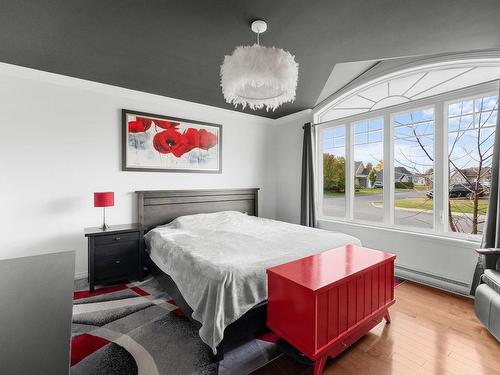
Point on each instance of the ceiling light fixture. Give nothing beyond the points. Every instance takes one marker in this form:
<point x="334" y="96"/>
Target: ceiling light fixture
<point x="258" y="76"/>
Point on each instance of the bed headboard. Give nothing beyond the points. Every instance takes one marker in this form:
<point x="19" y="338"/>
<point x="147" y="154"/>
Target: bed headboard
<point x="157" y="207"/>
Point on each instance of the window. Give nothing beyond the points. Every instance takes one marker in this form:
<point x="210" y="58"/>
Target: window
<point x="414" y="168"/>
<point x="368" y="161"/>
<point x="471" y="134"/>
<point x="423" y="165"/>
<point x="333" y="154"/>
<point x="411" y="85"/>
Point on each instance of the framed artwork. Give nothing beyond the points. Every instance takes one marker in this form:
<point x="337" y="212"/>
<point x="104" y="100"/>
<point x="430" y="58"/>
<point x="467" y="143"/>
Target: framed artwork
<point x="169" y="144"/>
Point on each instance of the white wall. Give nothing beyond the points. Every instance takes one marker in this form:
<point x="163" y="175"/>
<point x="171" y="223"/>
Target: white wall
<point x="61" y="141"/>
<point x="288" y="163"/>
<point x="442" y="262"/>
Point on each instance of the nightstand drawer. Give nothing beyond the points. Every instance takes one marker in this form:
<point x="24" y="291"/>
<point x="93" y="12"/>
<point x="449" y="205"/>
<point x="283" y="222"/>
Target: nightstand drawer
<point x="115" y="249"/>
<point x="121" y="264"/>
<point x="116" y="238"/>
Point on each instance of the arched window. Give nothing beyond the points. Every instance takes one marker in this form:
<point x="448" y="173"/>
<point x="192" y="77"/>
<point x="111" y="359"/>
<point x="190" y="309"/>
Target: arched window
<point x="411" y="148"/>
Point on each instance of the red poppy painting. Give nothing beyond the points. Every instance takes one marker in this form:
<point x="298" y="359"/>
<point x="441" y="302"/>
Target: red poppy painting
<point x="159" y="143"/>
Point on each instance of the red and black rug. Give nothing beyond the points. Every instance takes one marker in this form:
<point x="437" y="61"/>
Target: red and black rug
<point x="137" y="329"/>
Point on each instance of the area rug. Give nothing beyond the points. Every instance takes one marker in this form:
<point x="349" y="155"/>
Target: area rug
<point x="137" y="329"/>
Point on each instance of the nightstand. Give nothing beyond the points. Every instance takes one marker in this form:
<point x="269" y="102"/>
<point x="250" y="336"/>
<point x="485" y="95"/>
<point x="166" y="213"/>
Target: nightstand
<point x="115" y="253"/>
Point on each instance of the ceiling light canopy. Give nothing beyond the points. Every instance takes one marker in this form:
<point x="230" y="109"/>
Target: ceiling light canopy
<point x="258" y="76"/>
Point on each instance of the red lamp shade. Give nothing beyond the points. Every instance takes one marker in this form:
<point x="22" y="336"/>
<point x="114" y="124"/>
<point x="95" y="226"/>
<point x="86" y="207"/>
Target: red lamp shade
<point x="104" y="199"/>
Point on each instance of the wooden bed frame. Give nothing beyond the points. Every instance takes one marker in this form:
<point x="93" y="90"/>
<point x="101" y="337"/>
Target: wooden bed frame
<point x="157" y="207"/>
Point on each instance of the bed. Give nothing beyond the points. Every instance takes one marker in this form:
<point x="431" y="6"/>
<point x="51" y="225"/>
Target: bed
<point x="210" y="250"/>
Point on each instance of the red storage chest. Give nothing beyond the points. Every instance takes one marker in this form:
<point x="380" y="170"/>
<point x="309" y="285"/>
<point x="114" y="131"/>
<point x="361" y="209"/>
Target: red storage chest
<point x="323" y="303"/>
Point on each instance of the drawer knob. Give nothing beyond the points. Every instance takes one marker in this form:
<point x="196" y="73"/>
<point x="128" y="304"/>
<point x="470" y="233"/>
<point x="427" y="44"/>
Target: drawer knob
<point x="117" y="238"/>
<point x="117" y="261"/>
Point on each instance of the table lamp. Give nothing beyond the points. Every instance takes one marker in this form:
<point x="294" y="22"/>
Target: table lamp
<point x="104" y="199"/>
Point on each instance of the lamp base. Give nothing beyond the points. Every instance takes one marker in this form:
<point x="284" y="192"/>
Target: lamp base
<point x="104" y="226"/>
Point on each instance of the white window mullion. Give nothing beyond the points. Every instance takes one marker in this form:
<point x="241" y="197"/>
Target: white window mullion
<point x="388" y="163"/>
<point x="349" y="172"/>
<point x="440" y="184"/>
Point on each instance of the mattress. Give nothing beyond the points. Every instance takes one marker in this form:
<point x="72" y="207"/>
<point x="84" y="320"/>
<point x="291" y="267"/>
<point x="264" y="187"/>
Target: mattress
<point x="218" y="261"/>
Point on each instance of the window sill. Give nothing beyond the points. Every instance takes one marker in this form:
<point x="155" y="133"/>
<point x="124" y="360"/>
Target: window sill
<point x="465" y="238"/>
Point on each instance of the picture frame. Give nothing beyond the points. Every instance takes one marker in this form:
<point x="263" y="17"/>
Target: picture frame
<point x="159" y="143"/>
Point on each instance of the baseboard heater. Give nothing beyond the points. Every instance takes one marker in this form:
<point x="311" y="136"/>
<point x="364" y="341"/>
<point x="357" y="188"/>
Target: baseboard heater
<point x="436" y="281"/>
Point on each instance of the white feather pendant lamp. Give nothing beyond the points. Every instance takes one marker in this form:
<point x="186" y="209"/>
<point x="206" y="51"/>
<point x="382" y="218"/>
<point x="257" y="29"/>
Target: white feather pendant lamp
<point x="258" y="76"/>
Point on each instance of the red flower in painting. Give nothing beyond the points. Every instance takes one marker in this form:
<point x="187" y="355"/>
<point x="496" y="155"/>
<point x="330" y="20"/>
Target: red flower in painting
<point x="207" y="139"/>
<point x="171" y="141"/>
<point x="146" y="122"/>
<point x="192" y="137"/>
<point x="140" y="125"/>
<point x="135" y="127"/>
<point x="164" y="124"/>
<point x="181" y="149"/>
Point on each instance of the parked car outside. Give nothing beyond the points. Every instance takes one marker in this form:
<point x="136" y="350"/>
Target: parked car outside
<point x="378" y="185"/>
<point x="460" y="191"/>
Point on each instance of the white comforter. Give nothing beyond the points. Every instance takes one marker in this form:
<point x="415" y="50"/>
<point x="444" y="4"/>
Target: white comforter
<point x="219" y="261"/>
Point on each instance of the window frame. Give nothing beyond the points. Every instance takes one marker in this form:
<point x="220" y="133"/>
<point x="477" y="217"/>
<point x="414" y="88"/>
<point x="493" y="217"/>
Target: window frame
<point x="440" y="105"/>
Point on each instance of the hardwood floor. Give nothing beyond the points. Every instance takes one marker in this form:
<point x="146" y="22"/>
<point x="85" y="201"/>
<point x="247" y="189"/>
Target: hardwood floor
<point x="432" y="332"/>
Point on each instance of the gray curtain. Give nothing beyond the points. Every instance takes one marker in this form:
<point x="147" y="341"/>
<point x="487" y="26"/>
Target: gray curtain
<point x="491" y="233"/>
<point x="307" y="201"/>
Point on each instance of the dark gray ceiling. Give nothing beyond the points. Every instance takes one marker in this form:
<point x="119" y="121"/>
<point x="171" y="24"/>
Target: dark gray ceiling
<point x="175" y="48"/>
